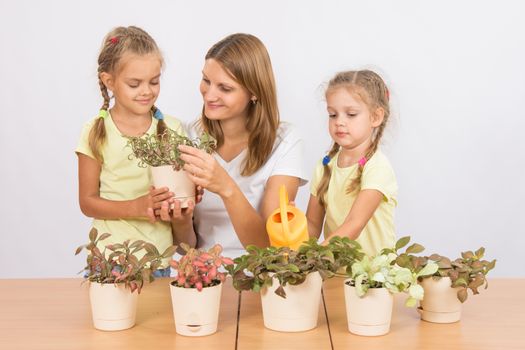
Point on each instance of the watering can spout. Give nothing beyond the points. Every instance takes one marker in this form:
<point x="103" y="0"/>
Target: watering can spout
<point x="287" y="225"/>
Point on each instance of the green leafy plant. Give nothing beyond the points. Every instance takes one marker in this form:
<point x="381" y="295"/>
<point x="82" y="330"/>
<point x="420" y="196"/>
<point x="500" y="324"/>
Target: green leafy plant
<point x="199" y="268"/>
<point x="157" y="150"/>
<point x="397" y="272"/>
<point x="259" y="266"/>
<point x="118" y="263"/>
<point x="467" y="272"/>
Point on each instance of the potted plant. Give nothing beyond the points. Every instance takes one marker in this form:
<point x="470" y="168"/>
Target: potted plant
<point x="196" y="290"/>
<point x="162" y="154"/>
<point x="115" y="273"/>
<point x="372" y="283"/>
<point x="448" y="287"/>
<point x="289" y="282"/>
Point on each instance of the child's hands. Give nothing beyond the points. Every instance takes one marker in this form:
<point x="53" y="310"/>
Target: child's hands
<point x="156" y="198"/>
<point x="177" y="214"/>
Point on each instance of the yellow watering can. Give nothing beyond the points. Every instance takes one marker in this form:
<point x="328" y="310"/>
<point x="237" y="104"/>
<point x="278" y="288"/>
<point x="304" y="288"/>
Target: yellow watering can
<point x="286" y="226"/>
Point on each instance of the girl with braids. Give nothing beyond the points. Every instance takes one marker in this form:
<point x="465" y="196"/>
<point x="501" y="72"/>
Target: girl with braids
<point x="113" y="189"/>
<point x="354" y="189"/>
<point x="256" y="152"/>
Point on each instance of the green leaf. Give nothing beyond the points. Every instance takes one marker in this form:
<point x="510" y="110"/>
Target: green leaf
<point x="93" y="234"/>
<point x="403" y="260"/>
<point x="429" y="269"/>
<point x="467" y="255"/>
<point x="403" y="241"/>
<point x="293" y="268"/>
<point x="415" y="248"/>
<point x="480" y="252"/>
<point x="460" y="282"/>
<point x="491" y="265"/>
<point x="104" y="236"/>
<point x="280" y="292"/>
<point x="170" y="251"/>
<point x="79" y="249"/>
<point x="462" y="295"/>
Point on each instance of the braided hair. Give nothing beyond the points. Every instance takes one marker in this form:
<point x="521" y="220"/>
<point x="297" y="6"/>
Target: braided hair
<point x="117" y="43"/>
<point x="374" y="92"/>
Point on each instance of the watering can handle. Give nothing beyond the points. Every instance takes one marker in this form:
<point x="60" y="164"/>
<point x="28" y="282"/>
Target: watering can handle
<point x="283" y="201"/>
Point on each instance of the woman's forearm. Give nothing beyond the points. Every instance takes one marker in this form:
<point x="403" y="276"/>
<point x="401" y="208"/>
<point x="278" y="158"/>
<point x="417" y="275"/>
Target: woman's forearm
<point x="247" y="222"/>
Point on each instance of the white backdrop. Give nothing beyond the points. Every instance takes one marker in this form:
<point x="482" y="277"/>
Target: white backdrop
<point x="455" y="70"/>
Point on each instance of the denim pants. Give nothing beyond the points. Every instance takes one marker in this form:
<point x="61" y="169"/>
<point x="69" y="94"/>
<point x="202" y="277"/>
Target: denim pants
<point x="162" y="272"/>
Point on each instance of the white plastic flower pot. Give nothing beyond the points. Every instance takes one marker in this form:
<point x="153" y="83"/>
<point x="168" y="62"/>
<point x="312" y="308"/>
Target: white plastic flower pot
<point x="196" y="313"/>
<point x="299" y="311"/>
<point x="440" y="303"/>
<point x="176" y="180"/>
<point x="113" y="307"/>
<point x="371" y="314"/>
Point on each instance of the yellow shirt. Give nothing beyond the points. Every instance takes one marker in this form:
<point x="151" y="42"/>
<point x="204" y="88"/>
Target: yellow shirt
<point x="377" y="174"/>
<point x="122" y="179"/>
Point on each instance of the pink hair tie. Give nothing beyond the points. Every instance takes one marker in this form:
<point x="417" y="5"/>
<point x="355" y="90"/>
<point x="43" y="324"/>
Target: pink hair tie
<point x="114" y="40"/>
<point x="362" y="161"/>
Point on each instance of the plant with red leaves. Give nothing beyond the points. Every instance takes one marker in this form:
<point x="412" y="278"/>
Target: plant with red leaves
<point x="199" y="268"/>
<point x="119" y="262"/>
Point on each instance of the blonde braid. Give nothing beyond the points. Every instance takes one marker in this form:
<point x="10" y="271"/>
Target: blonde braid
<point x="97" y="135"/>
<point x="116" y="44"/>
<point x="322" y="188"/>
<point x="161" y="124"/>
<point x="374" y="92"/>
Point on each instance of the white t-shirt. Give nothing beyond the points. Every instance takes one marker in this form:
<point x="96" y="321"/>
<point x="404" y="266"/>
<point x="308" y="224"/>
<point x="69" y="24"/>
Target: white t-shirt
<point x="211" y="220"/>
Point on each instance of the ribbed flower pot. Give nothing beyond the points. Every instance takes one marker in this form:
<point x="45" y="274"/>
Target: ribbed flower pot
<point x="177" y="181"/>
<point x="371" y="314"/>
<point x="440" y="303"/>
<point x="299" y="311"/>
<point x="113" y="306"/>
<point x="196" y="313"/>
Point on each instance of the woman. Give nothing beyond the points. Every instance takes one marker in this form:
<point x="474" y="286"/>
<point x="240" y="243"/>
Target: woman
<point x="256" y="154"/>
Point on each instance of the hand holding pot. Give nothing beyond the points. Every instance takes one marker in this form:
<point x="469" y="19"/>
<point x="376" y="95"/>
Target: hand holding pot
<point x="204" y="170"/>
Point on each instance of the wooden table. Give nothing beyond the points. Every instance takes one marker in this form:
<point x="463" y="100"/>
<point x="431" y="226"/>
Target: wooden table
<point x="55" y="314"/>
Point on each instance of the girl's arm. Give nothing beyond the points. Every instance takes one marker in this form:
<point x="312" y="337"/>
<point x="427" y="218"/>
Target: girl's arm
<point x="249" y="225"/>
<point x="92" y="205"/>
<point x="364" y="206"/>
<point x="315" y="217"/>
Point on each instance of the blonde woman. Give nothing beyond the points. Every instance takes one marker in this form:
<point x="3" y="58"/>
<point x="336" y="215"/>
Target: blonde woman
<point x="256" y="153"/>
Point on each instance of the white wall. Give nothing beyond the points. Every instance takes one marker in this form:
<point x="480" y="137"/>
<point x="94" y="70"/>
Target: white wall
<point x="455" y="68"/>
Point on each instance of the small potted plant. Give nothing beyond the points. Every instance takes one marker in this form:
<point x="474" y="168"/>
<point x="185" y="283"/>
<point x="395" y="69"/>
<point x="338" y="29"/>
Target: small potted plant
<point x="196" y="290"/>
<point x="162" y="154"/>
<point x="372" y="283"/>
<point x="448" y="287"/>
<point x="289" y="281"/>
<point x="114" y="274"/>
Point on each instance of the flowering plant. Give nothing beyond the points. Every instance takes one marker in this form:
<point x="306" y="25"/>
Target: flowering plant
<point x="119" y="262"/>
<point x="199" y="268"/>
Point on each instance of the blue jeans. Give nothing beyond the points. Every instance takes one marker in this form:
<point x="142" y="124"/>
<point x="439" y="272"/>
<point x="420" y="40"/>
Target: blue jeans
<point x="162" y="272"/>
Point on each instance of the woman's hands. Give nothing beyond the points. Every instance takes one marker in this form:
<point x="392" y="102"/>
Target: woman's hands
<point x="204" y="170"/>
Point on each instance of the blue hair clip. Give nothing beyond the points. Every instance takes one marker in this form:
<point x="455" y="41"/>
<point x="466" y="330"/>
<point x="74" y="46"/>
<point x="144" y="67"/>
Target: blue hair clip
<point x="326" y="160"/>
<point x="158" y="115"/>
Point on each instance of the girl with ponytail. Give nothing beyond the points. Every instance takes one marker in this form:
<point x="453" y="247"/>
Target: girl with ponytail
<point x="354" y="189"/>
<point x="112" y="188"/>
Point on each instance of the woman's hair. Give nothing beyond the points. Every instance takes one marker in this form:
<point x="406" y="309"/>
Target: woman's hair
<point x="245" y="58"/>
<point x="118" y="43"/>
<point x="372" y="90"/>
